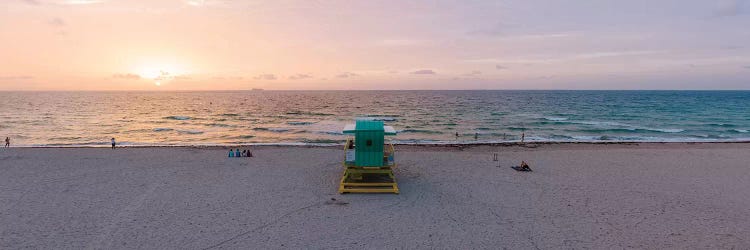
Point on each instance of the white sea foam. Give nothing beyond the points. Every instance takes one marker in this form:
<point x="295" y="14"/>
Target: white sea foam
<point x="192" y="132"/>
<point x="298" y="123"/>
<point x="279" y="130"/>
<point x="666" y="130"/>
<point x="557" y="119"/>
<point x="178" y="117"/>
<point x="330" y="132"/>
<point x="617" y="125"/>
<point x="587" y="137"/>
<point x="600" y="123"/>
<point x="378" y="118"/>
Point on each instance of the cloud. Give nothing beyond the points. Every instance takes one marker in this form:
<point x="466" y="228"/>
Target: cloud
<point x="164" y="76"/>
<point x="732" y="47"/>
<point x="61" y="2"/>
<point x="32" y="2"/>
<point x="563" y="58"/>
<point x="540" y="36"/>
<point x="235" y="78"/>
<point x="473" y="73"/>
<point x="729" y="8"/>
<point x="494" y="30"/>
<point x="127" y="76"/>
<point x="58" y="22"/>
<point x="201" y="3"/>
<point x="500" y="30"/>
<point x="81" y="2"/>
<point x="265" y="77"/>
<point x="196" y="2"/>
<point x="346" y="75"/>
<point x="300" y="76"/>
<point x="401" y="42"/>
<point x="500" y="67"/>
<point x="15" y="78"/>
<point x="424" y="72"/>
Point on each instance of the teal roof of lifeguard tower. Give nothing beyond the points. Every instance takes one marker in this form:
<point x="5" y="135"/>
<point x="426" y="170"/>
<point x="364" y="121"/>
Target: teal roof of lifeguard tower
<point x="368" y="125"/>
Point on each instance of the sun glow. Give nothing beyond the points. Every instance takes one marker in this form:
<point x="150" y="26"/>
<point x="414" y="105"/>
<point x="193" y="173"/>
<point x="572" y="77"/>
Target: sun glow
<point x="150" y="73"/>
<point x="159" y="73"/>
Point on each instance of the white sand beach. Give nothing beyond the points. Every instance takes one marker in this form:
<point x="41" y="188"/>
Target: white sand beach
<point x="579" y="196"/>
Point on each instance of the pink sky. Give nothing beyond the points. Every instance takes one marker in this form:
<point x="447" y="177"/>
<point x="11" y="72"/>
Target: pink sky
<point x="218" y="45"/>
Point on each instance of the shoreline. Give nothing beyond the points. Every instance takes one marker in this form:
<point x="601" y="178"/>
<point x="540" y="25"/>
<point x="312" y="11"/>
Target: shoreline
<point x="426" y="145"/>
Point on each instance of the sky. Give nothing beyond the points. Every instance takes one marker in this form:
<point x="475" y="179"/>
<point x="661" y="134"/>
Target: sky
<point x="312" y="45"/>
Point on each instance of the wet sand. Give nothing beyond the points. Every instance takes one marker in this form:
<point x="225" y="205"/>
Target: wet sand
<point x="647" y="195"/>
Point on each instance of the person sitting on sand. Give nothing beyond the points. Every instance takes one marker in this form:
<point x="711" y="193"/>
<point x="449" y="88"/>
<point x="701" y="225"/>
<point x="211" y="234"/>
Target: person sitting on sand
<point x="244" y="153"/>
<point x="7" y="142"/>
<point x="231" y="153"/>
<point x="237" y="153"/>
<point x="249" y="154"/>
<point x="113" y="143"/>
<point x="524" y="166"/>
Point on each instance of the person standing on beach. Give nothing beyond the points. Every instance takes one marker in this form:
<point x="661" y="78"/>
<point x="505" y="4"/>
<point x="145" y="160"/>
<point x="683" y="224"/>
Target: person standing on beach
<point x="456" y="136"/>
<point x="7" y="142"/>
<point x="523" y="136"/>
<point x="113" y="143"/>
<point x="476" y="136"/>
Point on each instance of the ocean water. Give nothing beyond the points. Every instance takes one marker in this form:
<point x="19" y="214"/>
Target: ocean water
<point x="317" y="117"/>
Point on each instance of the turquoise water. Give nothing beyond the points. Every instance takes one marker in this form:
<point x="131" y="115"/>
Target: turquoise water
<point x="317" y="117"/>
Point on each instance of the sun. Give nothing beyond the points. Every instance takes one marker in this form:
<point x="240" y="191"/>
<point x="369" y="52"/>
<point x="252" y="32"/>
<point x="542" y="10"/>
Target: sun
<point x="159" y="73"/>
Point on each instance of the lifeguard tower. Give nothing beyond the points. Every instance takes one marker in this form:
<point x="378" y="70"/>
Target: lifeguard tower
<point x="368" y="159"/>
